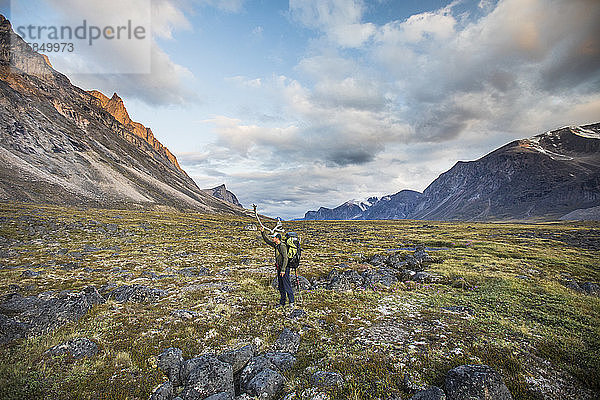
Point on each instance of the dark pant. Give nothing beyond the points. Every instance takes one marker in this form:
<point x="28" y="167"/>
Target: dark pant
<point x="285" y="287"/>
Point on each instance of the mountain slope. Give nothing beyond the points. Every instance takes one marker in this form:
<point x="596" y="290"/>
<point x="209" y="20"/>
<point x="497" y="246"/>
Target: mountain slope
<point x="545" y="176"/>
<point x="60" y="144"/>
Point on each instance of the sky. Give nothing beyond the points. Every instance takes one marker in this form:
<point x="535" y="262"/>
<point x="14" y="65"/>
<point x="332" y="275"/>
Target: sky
<point x="308" y="103"/>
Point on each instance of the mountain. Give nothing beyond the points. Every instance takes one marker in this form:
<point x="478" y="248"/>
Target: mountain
<point x="221" y="192"/>
<point x="60" y="144"/>
<point x="545" y="176"/>
<point x="396" y="206"/>
<point x="548" y="176"/>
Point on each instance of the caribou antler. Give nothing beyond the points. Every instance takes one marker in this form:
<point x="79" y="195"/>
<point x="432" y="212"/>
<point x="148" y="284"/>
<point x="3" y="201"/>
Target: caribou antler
<point x="278" y="227"/>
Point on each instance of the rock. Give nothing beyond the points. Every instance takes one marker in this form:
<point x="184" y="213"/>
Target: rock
<point x="169" y="362"/>
<point x="221" y="396"/>
<point x="238" y="358"/>
<point x="297" y="314"/>
<point x="185" y="314"/>
<point x="475" y="382"/>
<point x="163" y="391"/>
<point x="137" y="294"/>
<point x="208" y="376"/>
<point x="193" y="272"/>
<point x="11" y="330"/>
<point x="381" y="277"/>
<point x="35" y="315"/>
<point x="287" y="342"/>
<point x="590" y="288"/>
<point x="326" y="379"/>
<point x="266" y="384"/>
<point x="407" y="274"/>
<point x="283" y="361"/>
<point x="431" y="393"/>
<point x="30" y="274"/>
<point x="343" y="280"/>
<point x="76" y="348"/>
<point x="254" y="367"/>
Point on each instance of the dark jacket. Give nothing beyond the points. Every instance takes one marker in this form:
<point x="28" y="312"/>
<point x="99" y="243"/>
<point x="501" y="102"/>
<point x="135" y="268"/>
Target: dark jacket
<point x="281" y="257"/>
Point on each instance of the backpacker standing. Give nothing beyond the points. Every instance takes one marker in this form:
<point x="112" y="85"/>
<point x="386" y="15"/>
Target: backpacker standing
<point x="282" y="266"/>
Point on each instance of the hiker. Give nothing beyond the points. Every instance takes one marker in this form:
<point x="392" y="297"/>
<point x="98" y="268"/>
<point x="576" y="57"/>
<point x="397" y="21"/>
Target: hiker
<point x="282" y="266"/>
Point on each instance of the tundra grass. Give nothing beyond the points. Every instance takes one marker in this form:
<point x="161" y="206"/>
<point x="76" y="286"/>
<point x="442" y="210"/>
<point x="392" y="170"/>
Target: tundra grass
<point x="500" y="301"/>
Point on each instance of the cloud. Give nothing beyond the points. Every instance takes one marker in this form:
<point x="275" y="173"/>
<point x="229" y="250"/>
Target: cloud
<point x="339" y="20"/>
<point x="135" y="69"/>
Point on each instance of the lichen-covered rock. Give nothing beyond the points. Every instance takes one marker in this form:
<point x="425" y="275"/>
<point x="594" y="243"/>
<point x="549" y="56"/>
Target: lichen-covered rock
<point x="380" y="277"/>
<point x="163" y="391"/>
<point x="170" y="362"/>
<point x="254" y="367"/>
<point x="137" y="294"/>
<point x="221" y="396"/>
<point x="266" y="384"/>
<point x="326" y="379"/>
<point x="34" y="315"/>
<point x="238" y="358"/>
<point x="283" y="361"/>
<point x="185" y="314"/>
<point x="343" y="280"/>
<point x="76" y="348"/>
<point x="207" y="376"/>
<point x="287" y="342"/>
<point x="475" y="382"/>
<point x="431" y="393"/>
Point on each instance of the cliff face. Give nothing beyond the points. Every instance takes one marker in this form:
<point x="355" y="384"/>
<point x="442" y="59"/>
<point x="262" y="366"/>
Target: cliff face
<point x="116" y="108"/>
<point x="61" y="144"/>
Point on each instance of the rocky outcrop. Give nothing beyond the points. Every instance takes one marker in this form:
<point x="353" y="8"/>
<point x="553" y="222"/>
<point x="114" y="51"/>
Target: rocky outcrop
<point x="238" y="371"/>
<point x="34" y="315"/>
<point x="76" y="348"/>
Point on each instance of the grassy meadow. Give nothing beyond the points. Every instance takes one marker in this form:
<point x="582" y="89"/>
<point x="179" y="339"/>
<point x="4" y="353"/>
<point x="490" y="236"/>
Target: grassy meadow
<point x="500" y="301"/>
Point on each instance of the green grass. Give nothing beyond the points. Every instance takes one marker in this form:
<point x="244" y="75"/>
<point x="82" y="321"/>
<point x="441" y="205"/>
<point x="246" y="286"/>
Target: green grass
<point x="508" y="275"/>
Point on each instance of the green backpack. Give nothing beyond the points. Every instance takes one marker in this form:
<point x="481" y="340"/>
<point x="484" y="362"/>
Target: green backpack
<point x="292" y="243"/>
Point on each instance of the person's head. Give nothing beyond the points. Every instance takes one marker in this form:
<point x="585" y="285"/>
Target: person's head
<point x="277" y="238"/>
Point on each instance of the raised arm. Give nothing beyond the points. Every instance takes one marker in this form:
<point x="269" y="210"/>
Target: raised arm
<point x="266" y="239"/>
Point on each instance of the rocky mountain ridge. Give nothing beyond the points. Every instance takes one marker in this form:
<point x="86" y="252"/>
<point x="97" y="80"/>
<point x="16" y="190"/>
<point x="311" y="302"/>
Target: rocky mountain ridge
<point x="221" y="192"/>
<point x="548" y="176"/>
<point x="60" y="144"/>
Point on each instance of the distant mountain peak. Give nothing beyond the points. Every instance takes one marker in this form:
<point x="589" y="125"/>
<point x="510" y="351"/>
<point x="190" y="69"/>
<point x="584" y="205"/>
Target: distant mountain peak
<point x="221" y="192"/>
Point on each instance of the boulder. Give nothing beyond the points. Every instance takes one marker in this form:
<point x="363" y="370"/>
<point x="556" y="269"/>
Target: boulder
<point x="287" y="342"/>
<point x="206" y="376"/>
<point x="383" y="276"/>
<point x="431" y="393"/>
<point x="283" y="361"/>
<point x="254" y="367"/>
<point x="475" y="382"/>
<point x="163" y="391"/>
<point x="326" y="379"/>
<point x="137" y="294"/>
<point x="238" y="358"/>
<point x="170" y="362"/>
<point x="343" y="280"/>
<point x="47" y="311"/>
<point x="76" y="348"/>
<point x="193" y="272"/>
<point x="297" y="314"/>
<point x="590" y="288"/>
<point x="266" y="384"/>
